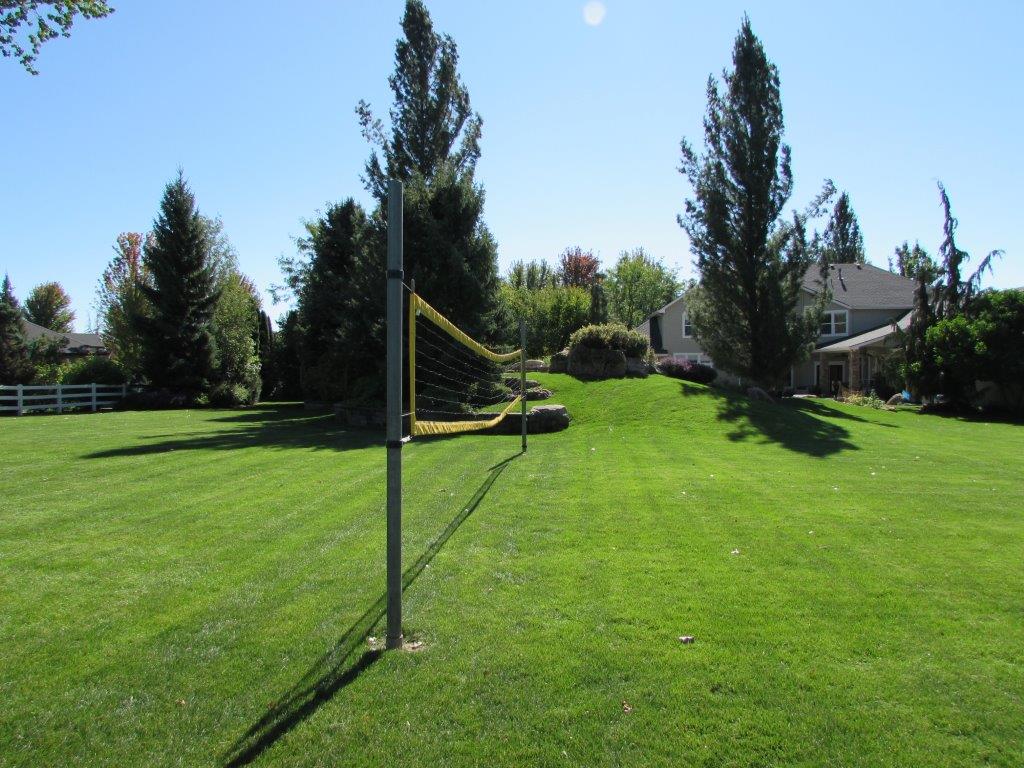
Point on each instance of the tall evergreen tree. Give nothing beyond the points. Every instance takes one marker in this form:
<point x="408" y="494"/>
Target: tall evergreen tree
<point x="843" y="240"/>
<point x="339" y="338"/>
<point x="751" y="263"/>
<point x="178" y="340"/>
<point x="49" y="305"/>
<point x="433" y="148"/>
<point x="948" y="303"/>
<point x="433" y="127"/>
<point x="598" y="300"/>
<point x="15" y="366"/>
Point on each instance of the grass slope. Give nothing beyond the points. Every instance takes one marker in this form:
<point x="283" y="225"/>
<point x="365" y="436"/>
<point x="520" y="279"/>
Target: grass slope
<point x="196" y="588"/>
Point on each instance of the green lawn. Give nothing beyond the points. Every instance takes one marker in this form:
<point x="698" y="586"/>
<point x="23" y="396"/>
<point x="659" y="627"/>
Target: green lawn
<point x="197" y="588"/>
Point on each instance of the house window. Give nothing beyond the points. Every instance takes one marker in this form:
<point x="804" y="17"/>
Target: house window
<point x="687" y="328"/>
<point x="833" y="323"/>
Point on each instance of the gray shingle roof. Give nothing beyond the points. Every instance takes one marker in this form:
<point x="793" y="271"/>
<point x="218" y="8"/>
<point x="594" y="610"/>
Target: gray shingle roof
<point x="74" y="343"/>
<point x="863" y="286"/>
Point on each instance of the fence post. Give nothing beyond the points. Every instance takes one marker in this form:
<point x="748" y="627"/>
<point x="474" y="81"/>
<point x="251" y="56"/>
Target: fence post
<point x="60" y="398"/>
<point x="94" y="397"/>
<point x="522" y="376"/>
<point x="21" y="400"/>
<point x="124" y="390"/>
<point x="394" y="415"/>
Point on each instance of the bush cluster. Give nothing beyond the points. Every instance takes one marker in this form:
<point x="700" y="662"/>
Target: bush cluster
<point x="870" y="400"/>
<point x="687" y="370"/>
<point x="612" y="336"/>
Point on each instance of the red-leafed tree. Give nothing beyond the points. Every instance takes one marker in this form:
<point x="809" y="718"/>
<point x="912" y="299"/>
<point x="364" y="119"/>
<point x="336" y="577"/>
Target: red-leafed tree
<point x="578" y="267"/>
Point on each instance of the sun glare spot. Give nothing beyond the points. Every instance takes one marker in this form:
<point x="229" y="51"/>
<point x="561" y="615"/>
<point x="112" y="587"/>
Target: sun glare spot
<point x="593" y="12"/>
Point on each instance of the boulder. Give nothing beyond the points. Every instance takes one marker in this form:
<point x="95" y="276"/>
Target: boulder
<point x="531" y="365"/>
<point x="756" y="393"/>
<point x="560" y="361"/>
<point x="637" y="366"/>
<point x="586" y="363"/>
<point x="513" y="383"/>
<point x="538" y="393"/>
<point x="539" y="419"/>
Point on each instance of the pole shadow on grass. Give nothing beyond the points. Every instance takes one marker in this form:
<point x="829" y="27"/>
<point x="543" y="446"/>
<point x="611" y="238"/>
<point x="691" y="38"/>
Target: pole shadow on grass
<point x="335" y="669"/>
<point x="792" y="424"/>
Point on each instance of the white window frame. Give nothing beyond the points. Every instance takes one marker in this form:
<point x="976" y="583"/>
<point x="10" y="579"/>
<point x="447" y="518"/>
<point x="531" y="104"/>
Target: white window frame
<point x="686" y="317"/>
<point x="831" y="315"/>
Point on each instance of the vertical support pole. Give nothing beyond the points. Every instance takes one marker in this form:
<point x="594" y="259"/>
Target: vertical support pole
<point x="522" y="375"/>
<point x="60" y="398"/>
<point x="94" y="397"/>
<point x="21" y="400"/>
<point x="394" y="416"/>
<point x="124" y="390"/>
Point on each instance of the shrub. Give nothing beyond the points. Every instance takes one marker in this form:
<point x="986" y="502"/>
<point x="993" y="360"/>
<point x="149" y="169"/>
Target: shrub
<point x="870" y="400"/>
<point x="159" y="399"/>
<point x="687" y="370"/>
<point x="94" y="369"/>
<point x="612" y="336"/>
<point x="230" y="396"/>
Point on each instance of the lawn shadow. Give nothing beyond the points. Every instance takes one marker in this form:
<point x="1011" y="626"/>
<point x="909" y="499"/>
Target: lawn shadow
<point x="791" y="424"/>
<point x="335" y="670"/>
<point x="270" y="426"/>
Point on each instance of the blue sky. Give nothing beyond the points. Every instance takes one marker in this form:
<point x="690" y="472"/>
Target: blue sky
<point x="582" y="122"/>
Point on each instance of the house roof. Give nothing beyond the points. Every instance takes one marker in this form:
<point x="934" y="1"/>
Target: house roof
<point x="73" y="343"/>
<point x="856" y="286"/>
<point x="867" y="338"/>
<point x="864" y="286"/>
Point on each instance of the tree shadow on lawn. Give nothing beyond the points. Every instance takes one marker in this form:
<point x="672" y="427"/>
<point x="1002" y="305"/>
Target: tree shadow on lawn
<point x="334" y="670"/>
<point x="793" y="424"/>
<point x="272" y="426"/>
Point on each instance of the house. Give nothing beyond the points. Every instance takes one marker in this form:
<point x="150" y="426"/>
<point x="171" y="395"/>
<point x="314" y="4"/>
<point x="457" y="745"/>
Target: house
<point x="857" y="328"/>
<point x="72" y="344"/>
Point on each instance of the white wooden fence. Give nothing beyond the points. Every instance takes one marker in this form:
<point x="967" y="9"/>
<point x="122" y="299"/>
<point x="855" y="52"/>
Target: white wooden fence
<point x="60" y="397"/>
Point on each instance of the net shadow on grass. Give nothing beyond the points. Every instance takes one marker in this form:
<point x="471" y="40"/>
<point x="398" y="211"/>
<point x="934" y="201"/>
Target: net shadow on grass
<point x="335" y="670"/>
<point x="791" y="425"/>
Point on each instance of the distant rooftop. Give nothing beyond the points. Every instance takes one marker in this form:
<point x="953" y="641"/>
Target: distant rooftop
<point x="864" y="286"/>
<point x="73" y="343"/>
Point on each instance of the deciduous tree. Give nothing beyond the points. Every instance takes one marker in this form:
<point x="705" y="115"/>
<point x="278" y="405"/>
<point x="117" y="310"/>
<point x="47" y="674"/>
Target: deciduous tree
<point x="26" y="24"/>
<point x="49" y="305"/>
<point x="120" y="303"/>
<point x="578" y="267"/>
<point x="913" y="263"/>
<point x="638" y="285"/>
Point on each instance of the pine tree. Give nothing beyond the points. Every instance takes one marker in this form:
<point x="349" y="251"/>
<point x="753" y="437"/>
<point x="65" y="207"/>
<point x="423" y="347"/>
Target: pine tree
<point x="433" y="148"/>
<point x="751" y="263"/>
<point x="49" y="305"/>
<point x="339" y="338"/>
<point x="843" y="241"/>
<point x="15" y="367"/>
<point x="178" y="341"/>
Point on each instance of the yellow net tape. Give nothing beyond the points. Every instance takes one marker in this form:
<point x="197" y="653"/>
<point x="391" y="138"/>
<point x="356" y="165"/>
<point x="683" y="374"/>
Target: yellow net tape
<point x="416" y="427"/>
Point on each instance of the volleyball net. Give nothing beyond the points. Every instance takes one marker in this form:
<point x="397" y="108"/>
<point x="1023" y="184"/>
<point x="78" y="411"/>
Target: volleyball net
<point x="456" y="384"/>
